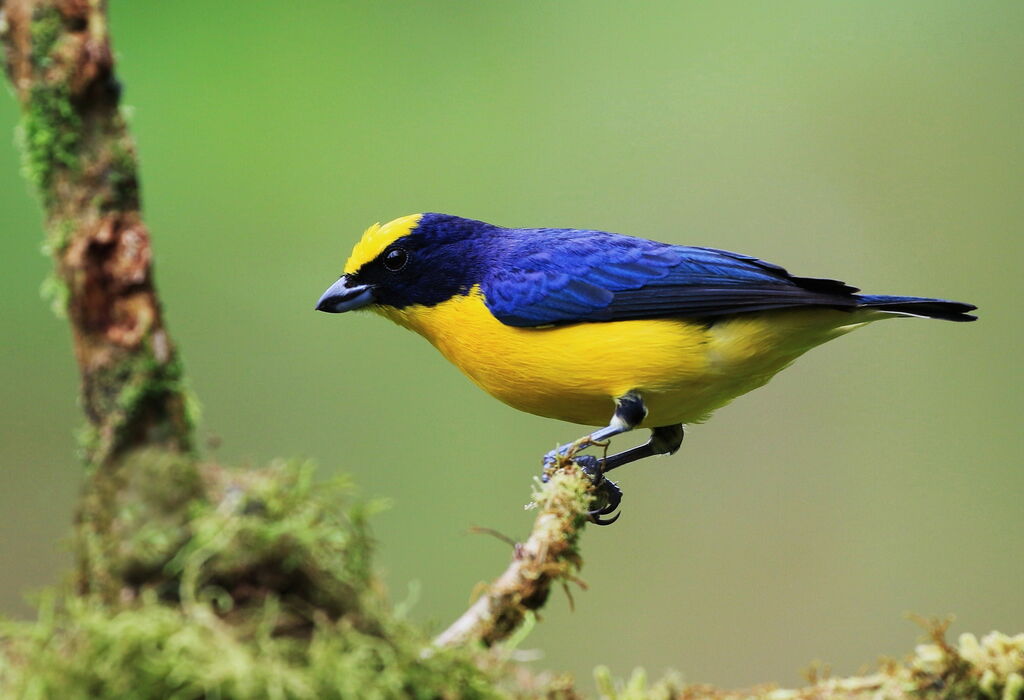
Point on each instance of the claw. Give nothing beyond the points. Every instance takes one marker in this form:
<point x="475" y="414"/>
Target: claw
<point x="598" y="520"/>
<point x="611" y="494"/>
<point x="606" y="491"/>
<point x="607" y="508"/>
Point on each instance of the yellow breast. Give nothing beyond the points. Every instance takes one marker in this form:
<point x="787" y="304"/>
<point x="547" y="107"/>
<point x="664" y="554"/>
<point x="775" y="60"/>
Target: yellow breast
<point x="683" y="369"/>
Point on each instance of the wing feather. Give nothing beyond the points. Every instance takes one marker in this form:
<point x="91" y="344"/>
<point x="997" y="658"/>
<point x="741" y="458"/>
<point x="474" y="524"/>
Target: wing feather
<point x="550" y="276"/>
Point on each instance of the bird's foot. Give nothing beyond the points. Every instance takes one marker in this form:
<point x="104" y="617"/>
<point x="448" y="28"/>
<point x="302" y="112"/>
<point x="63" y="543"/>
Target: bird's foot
<point x="569" y="450"/>
<point x="607" y="494"/>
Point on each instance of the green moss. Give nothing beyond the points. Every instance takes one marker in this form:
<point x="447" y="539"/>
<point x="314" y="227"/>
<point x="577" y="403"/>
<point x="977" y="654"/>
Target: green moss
<point x="991" y="667"/>
<point x="199" y="532"/>
<point x="136" y="395"/>
<point x="50" y="124"/>
<point x="45" y="31"/>
<point x="243" y="584"/>
<point x="49" y="134"/>
<point x="237" y="584"/>
<point x="49" y="128"/>
<point x="279" y="534"/>
<point x="147" y="380"/>
<point x="55" y="292"/>
<point x="157" y="651"/>
<point x="570" y="495"/>
<point x="87" y="437"/>
<point x="232" y="584"/>
<point x="150" y="495"/>
<point x="1014" y="687"/>
<point x="122" y="180"/>
<point x="58" y="235"/>
<point x="637" y="687"/>
<point x="193" y="407"/>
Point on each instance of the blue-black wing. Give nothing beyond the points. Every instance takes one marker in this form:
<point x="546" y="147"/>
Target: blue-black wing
<point x="550" y="276"/>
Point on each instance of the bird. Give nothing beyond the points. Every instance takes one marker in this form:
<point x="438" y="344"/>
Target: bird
<point x="602" y="329"/>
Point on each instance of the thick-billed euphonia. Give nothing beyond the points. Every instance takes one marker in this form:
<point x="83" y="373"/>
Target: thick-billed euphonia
<point x="599" y="328"/>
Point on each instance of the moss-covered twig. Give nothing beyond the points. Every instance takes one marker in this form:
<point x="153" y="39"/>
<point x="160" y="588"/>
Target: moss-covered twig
<point x="991" y="668"/>
<point x="548" y="556"/>
<point x="81" y="158"/>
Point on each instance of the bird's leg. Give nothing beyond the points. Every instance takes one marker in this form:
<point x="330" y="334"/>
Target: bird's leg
<point x="665" y="440"/>
<point x="629" y="413"/>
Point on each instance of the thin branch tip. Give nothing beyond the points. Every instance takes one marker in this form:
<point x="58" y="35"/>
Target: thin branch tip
<point x="549" y="555"/>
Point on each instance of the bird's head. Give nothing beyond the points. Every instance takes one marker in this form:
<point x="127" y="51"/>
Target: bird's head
<point x="417" y="260"/>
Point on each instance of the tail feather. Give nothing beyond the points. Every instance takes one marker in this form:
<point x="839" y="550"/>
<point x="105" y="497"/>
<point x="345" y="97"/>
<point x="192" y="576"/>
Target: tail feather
<point x="919" y="306"/>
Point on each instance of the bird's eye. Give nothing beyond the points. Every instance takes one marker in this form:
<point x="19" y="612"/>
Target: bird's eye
<point x="395" y="259"/>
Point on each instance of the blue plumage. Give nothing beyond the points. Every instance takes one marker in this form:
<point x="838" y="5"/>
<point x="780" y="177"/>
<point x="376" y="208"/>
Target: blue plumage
<point x="535" y="277"/>
<point x="544" y="276"/>
<point x="548" y="276"/>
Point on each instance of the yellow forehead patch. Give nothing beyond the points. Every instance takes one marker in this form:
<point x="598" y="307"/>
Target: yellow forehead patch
<point x="377" y="238"/>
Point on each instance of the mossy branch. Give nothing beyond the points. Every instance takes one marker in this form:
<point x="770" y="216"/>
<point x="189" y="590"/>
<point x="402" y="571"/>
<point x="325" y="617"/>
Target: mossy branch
<point x="80" y="157"/>
<point x="548" y="556"/>
<point x="991" y="668"/>
<point x="234" y="584"/>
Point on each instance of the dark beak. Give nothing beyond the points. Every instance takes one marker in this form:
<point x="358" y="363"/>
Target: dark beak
<point x="345" y="296"/>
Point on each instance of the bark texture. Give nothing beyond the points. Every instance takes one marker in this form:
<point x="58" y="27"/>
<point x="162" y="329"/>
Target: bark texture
<point x="80" y="156"/>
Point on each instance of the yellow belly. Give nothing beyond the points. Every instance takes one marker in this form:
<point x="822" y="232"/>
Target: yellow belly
<point x="683" y="369"/>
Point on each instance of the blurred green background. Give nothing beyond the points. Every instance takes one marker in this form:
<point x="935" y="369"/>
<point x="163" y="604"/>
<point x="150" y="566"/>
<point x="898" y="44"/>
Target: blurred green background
<point x="881" y="143"/>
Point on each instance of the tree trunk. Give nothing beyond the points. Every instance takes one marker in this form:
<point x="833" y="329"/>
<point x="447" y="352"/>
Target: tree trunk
<point x="81" y="158"/>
